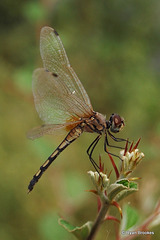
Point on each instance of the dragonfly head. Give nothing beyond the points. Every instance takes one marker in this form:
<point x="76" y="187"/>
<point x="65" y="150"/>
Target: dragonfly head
<point x="115" y="123"/>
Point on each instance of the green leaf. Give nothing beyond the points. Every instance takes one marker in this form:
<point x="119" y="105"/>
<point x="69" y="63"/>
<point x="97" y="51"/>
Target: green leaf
<point x="130" y="217"/>
<point x="125" y="194"/>
<point x="80" y="233"/>
<point x="121" y="189"/>
<point x="115" y="189"/>
<point x="132" y="187"/>
<point x="124" y="182"/>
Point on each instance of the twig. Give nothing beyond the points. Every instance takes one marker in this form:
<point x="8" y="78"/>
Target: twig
<point x="99" y="220"/>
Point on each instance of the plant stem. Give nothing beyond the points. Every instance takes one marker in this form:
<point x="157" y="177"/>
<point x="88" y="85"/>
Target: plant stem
<point x="99" y="220"/>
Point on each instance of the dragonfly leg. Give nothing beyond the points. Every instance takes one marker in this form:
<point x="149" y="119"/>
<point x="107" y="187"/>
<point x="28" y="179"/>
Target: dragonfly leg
<point x="90" y="151"/>
<point x="72" y="136"/>
<point x="106" y="143"/>
<point x="114" y="138"/>
<point x="117" y="139"/>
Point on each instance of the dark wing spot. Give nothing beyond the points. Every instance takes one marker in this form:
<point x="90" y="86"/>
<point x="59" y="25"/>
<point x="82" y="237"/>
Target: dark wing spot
<point x="54" y="74"/>
<point x="56" y="32"/>
<point x="46" y="70"/>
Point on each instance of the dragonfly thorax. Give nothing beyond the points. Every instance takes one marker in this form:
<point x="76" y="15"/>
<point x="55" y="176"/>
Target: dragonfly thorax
<point x="96" y="123"/>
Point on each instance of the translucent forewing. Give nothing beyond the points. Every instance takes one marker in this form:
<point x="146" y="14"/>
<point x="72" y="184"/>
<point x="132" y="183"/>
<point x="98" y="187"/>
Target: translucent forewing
<point x="54" y="102"/>
<point x="55" y="60"/>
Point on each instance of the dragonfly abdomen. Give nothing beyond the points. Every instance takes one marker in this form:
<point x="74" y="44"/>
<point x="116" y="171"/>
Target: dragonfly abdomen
<point x="72" y="136"/>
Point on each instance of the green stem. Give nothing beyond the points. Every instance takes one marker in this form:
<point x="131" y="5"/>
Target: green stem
<point x="99" y="220"/>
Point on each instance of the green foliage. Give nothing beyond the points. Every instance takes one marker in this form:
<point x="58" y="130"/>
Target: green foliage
<point x="122" y="189"/>
<point x="81" y="233"/>
<point x="130" y="217"/>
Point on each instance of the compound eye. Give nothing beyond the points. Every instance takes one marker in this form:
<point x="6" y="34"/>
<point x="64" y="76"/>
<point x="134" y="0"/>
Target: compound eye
<point x="117" y="123"/>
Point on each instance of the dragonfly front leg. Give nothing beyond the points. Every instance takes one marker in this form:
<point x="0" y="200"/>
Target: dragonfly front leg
<point x="117" y="139"/>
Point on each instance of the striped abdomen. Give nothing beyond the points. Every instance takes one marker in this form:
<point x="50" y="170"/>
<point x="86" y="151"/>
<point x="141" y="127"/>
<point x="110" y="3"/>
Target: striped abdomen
<point x="72" y="135"/>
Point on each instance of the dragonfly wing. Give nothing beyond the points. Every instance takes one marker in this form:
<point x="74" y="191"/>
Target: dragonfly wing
<point x="50" y="129"/>
<point x="54" y="102"/>
<point x="55" y="60"/>
<point x="44" y="130"/>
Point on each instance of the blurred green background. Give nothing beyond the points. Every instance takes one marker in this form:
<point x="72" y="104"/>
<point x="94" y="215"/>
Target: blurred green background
<point x="114" y="47"/>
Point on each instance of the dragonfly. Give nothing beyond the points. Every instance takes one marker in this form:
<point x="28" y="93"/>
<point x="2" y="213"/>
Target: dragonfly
<point x="63" y="104"/>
